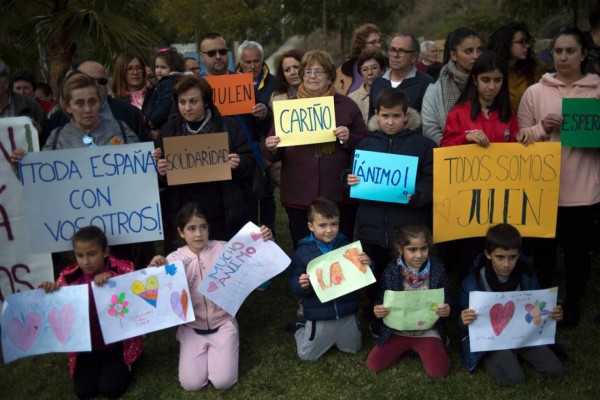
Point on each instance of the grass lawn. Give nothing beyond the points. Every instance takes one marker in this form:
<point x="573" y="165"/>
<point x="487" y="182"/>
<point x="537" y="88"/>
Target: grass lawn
<point x="270" y="369"/>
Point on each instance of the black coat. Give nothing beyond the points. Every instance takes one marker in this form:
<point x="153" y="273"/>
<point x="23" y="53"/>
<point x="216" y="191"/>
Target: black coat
<point x="376" y="221"/>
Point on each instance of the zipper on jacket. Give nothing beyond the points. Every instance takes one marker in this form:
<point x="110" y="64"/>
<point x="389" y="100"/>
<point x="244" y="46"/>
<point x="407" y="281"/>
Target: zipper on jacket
<point x="337" y="316"/>
<point x="204" y="297"/>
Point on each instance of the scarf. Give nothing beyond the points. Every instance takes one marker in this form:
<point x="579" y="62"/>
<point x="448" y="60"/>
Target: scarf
<point x="414" y="280"/>
<point x="321" y="149"/>
<point x="207" y="125"/>
<point x="136" y="97"/>
<point x="453" y="82"/>
<point x="509" y="286"/>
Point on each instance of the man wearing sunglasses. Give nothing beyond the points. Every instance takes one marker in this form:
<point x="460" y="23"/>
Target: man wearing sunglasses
<point x="111" y="108"/>
<point x="215" y="56"/>
<point x="403" y="51"/>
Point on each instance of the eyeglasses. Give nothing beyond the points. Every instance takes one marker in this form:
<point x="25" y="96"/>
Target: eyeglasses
<point x="87" y="139"/>
<point x="134" y="68"/>
<point x="400" y="52"/>
<point x="195" y="69"/>
<point x="373" y="68"/>
<point x="212" y="53"/>
<point x="526" y="41"/>
<point x="375" y="42"/>
<point x="316" y="72"/>
<point x="101" y="81"/>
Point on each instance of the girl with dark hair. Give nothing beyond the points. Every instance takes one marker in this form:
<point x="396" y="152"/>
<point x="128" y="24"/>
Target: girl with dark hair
<point x="514" y="43"/>
<point x="462" y="48"/>
<point x="209" y="346"/>
<point x="158" y="105"/>
<point x="483" y="113"/>
<point x="540" y="118"/>
<point x="223" y="202"/>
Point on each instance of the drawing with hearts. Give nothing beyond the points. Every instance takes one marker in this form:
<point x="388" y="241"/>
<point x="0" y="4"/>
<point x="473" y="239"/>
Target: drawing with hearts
<point x="500" y="316"/>
<point x="35" y="322"/>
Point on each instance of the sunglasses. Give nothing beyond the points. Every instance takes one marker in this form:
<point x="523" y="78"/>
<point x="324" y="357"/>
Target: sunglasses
<point x="212" y="53"/>
<point x="526" y="41"/>
<point x="101" y="81"/>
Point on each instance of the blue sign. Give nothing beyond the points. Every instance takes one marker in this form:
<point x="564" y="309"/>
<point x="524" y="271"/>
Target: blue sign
<point x="384" y="177"/>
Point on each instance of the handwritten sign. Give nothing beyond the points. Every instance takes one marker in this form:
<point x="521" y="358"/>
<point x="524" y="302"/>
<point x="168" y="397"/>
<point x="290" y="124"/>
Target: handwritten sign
<point x="384" y="177"/>
<point x="413" y="310"/>
<point x="511" y="320"/>
<point x="233" y="93"/>
<point x="20" y="269"/>
<point x="36" y="322"/>
<point x="339" y="272"/>
<point x="304" y="121"/>
<point x="246" y="262"/>
<point x="475" y="188"/>
<point x="581" y="123"/>
<point x="143" y="301"/>
<point x="112" y="187"/>
<point x="197" y="158"/>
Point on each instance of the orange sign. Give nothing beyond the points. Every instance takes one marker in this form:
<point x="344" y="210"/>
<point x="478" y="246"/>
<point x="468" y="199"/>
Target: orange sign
<point x="233" y="93"/>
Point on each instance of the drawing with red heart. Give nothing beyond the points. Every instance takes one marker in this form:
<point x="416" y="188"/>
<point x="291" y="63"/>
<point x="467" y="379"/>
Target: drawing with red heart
<point x="212" y="287"/>
<point x="25" y="335"/>
<point x="61" y="322"/>
<point x="500" y="316"/>
<point x="255" y="236"/>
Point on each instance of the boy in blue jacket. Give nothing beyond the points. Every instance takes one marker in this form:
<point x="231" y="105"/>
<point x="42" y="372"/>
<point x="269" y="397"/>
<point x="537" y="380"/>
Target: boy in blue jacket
<point x="333" y="322"/>
<point x="502" y="270"/>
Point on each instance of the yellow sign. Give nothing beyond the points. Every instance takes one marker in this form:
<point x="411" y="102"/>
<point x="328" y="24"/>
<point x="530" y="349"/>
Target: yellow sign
<point x="475" y="188"/>
<point x="304" y="121"/>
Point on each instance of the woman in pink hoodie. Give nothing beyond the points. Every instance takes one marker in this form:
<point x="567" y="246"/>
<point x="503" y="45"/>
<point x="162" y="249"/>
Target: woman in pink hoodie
<point x="540" y="119"/>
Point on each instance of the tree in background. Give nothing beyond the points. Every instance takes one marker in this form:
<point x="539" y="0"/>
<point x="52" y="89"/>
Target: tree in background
<point x="46" y="35"/>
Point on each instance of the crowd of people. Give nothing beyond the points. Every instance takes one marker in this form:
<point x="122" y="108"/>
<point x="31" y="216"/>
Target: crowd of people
<point x="397" y="98"/>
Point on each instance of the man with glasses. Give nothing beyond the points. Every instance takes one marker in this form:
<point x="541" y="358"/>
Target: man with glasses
<point x="191" y="65"/>
<point x="111" y="108"/>
<point x="403" y="51"/>
<point x="256" y="125"/>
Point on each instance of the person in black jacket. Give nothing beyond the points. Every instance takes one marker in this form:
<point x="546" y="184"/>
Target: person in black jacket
<point x="377" y="221"/>
<point x="223" y="202"/>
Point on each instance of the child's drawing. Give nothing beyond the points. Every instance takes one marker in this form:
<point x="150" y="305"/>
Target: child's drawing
<point x="118" y="306"/>
<point x="500" y="316"/>
<point x="511" y="320"/>
<point x="148" y="292"/>
<point x="123" y="315"/>
<point x="36" y="322"/>
<point x="346" y="272"/>
<point x="535" y="312"/>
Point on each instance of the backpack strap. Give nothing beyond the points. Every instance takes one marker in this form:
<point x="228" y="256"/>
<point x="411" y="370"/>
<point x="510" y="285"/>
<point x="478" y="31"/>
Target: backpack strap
<point x="55" y="141"/>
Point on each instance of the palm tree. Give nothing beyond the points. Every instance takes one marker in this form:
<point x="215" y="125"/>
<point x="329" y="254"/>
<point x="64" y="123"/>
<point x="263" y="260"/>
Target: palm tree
<point x="46" y="35"/>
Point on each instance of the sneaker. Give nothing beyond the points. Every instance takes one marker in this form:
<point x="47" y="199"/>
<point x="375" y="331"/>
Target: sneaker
<point x="264" y="286"/>
<point x="295" y="324"/>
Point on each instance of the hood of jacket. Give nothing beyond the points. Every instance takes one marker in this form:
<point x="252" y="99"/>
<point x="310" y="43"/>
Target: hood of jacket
<point x="413" y="122"/>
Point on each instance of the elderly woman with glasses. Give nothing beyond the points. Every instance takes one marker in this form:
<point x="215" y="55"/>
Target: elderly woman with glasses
<point x="348" y="77"/>
<point x="514" y="43"/>
<point x="129" y="79"/>
<point x="313" y="170"/>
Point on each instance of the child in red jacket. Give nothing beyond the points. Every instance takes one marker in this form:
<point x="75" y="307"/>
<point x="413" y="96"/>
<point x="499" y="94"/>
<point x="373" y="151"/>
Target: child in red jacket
<point x="106" y="370"/>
